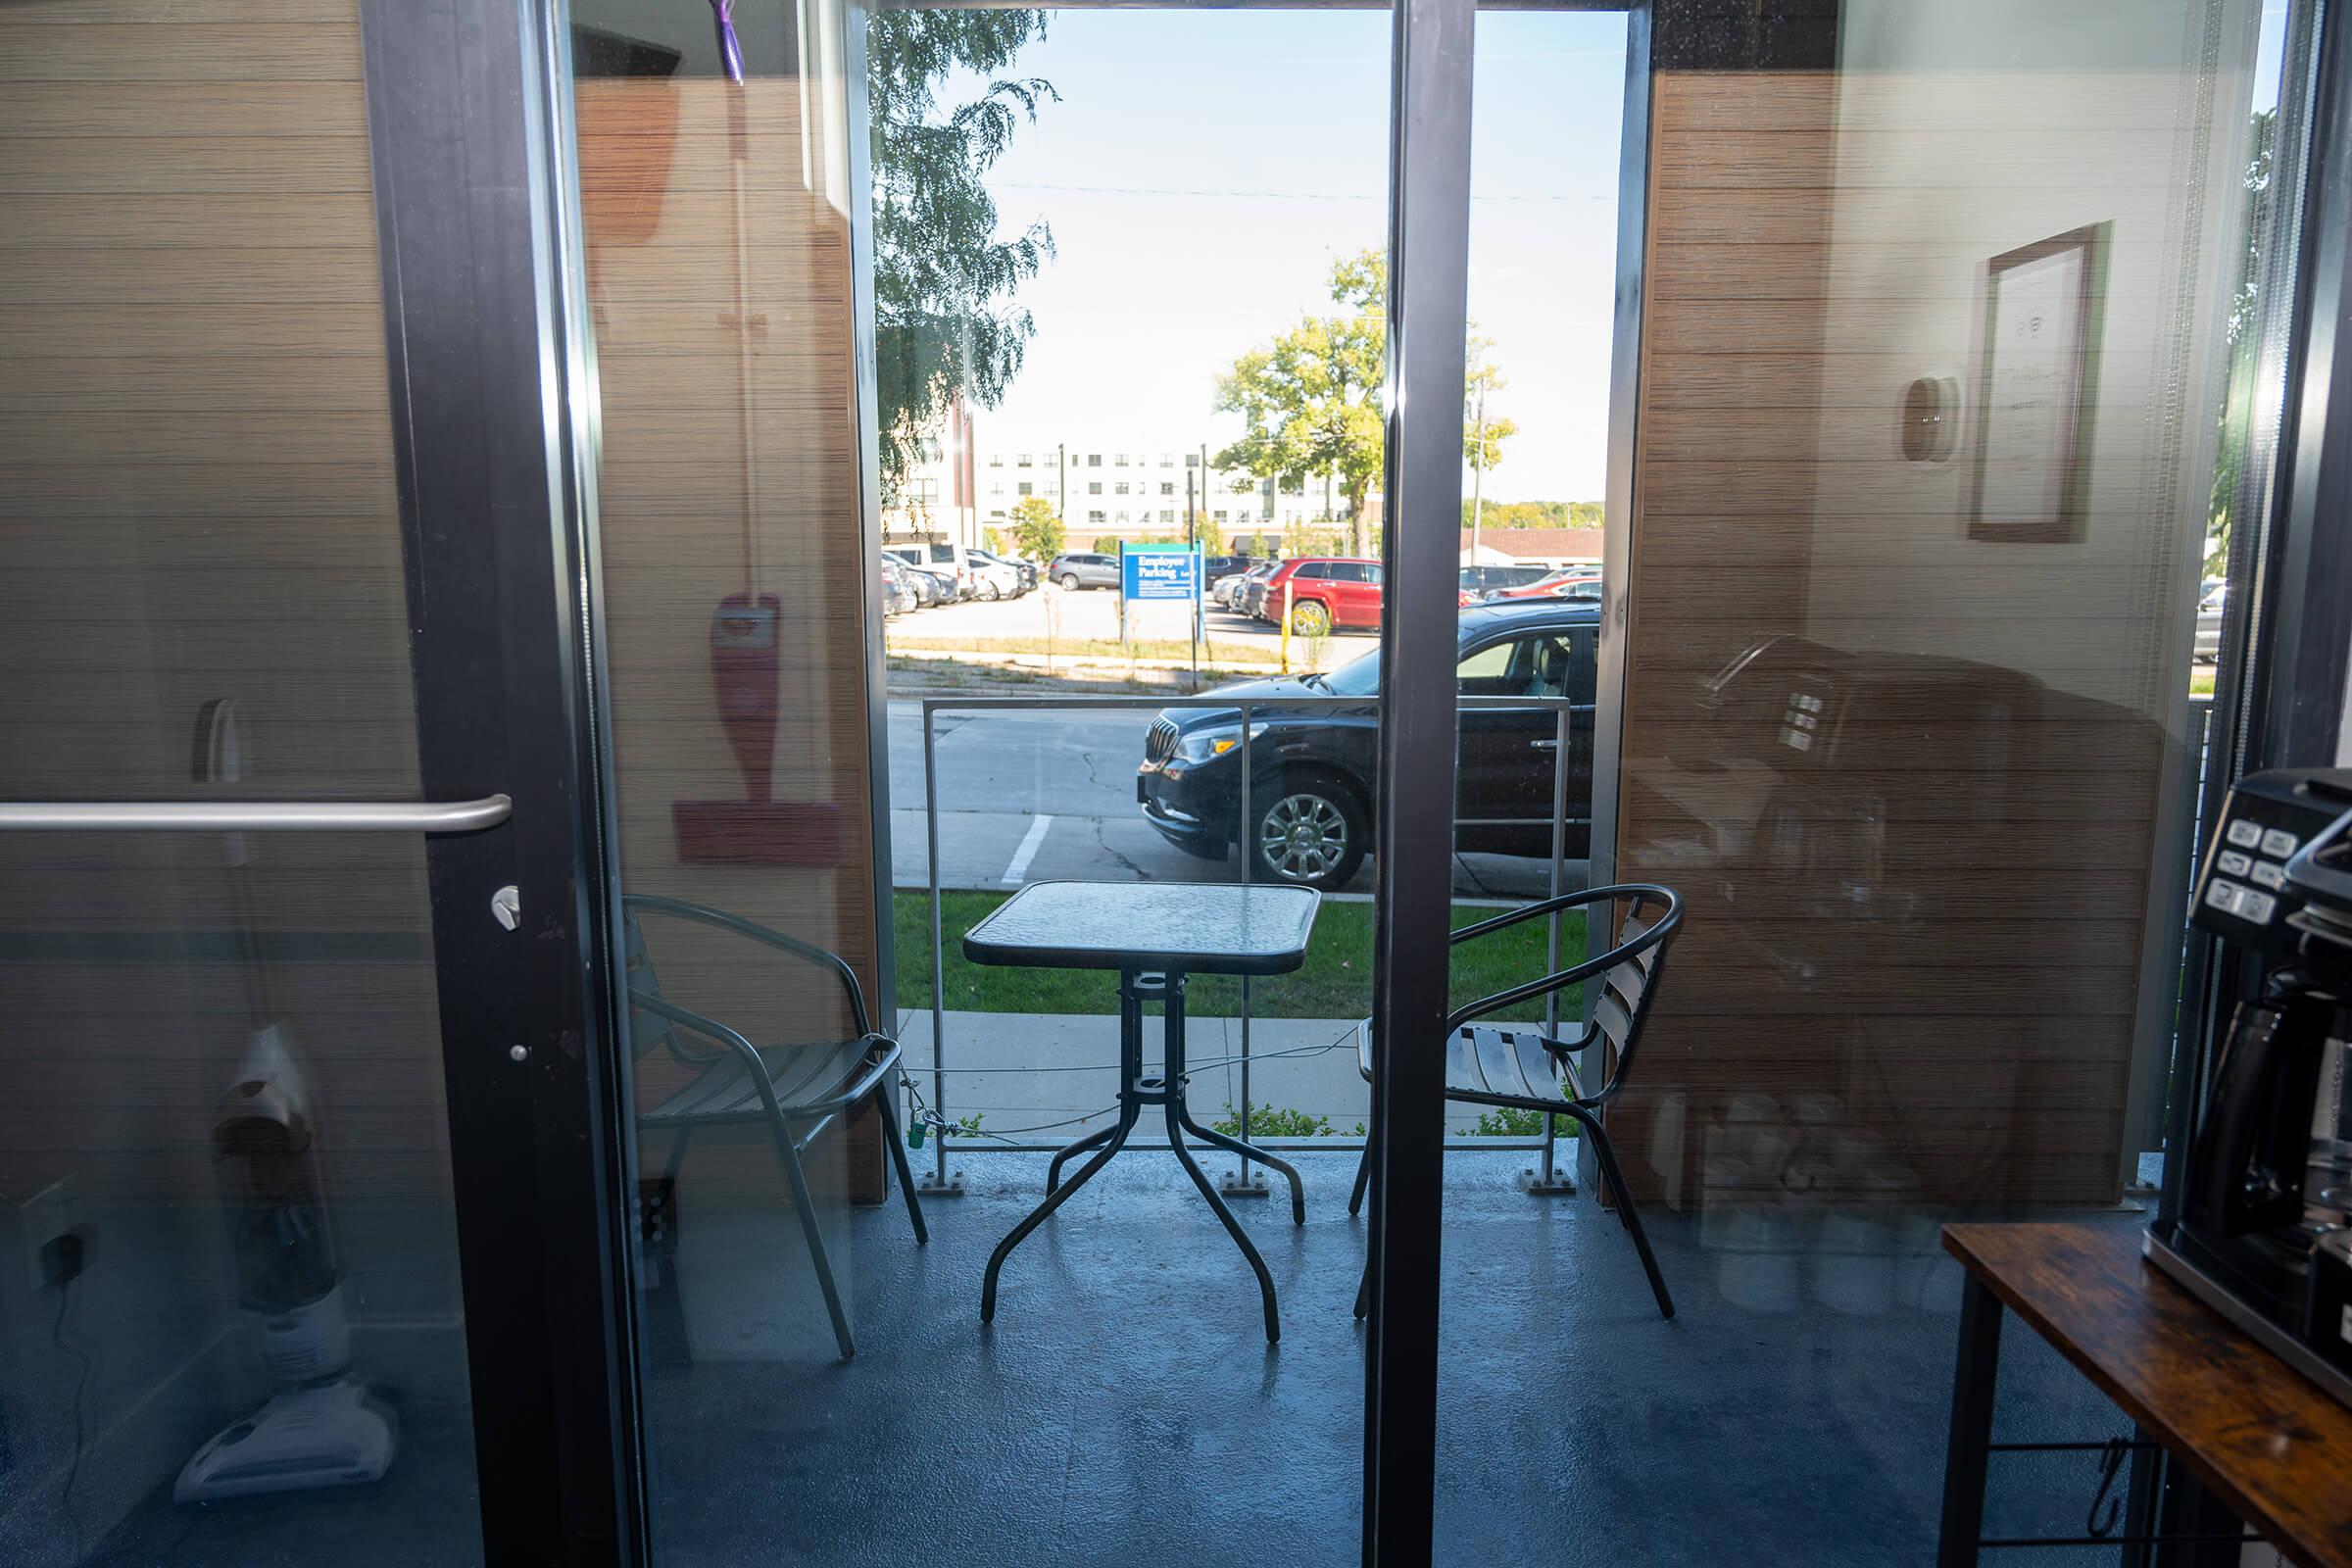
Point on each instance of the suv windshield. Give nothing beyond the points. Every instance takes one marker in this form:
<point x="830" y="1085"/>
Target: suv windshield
<point x="1358" y="677"/>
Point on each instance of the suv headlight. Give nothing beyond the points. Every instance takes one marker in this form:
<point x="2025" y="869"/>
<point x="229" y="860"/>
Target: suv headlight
<point x="1203" y="745"/>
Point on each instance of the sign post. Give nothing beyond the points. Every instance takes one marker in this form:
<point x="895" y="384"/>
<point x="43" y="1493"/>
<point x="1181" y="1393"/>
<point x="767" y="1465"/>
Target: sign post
<point x="1167" y="572"/>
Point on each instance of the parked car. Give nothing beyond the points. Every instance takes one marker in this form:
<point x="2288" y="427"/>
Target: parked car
<point x="1248" y="590"/>
<point x="1028" y="569"/>
<point x="929" y="586"/>
<point x="1215" y="569"/>
<point x="942" y="560"/>
<point x="991" y="579"/>
<point x="1569" y="582"/>
<point x="898" y="592"/>
<point x="2207" y="648"/>
<point x="1324" y="592"/>
<point x="1311" y="771"/>
<point x="1080" y="568"/>
<point x="1482" y="581"/>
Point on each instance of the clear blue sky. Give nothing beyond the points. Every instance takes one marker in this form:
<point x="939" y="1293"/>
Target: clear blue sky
<point x="1203" y="168"/>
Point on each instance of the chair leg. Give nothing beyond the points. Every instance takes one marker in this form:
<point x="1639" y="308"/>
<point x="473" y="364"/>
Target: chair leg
<point x="886" y="1098"/>
<point x="678" y="1151"/>
<point x="806" y="1208"/>
<point x="1606" y="1153"/>
<point x="1363" y="1291"/>
<point x="1363" y="1182"/>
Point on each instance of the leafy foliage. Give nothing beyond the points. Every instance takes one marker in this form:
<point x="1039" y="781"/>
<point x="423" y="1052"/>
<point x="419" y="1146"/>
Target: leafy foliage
<point x="1037" y="532"/>
<point x="945" y="315"/>
<point x="1276" y="1121"/>
<point x="1512" y="1121"/>
<point x="1310" y="400"/>
<point x="2245" y="337"/>
<point x="1538" y="514"/>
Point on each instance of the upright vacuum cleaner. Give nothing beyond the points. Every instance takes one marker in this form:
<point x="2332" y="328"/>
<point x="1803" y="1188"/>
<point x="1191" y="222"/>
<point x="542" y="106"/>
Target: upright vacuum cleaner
<point x="322" y="1428"/>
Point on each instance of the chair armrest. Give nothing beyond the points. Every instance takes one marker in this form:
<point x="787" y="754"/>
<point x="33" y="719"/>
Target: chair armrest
<point x="866" y="1081"/>
<point x="710" y="1028"/>
<point x="1648" y="936"/>
<point x="705" y="915"/>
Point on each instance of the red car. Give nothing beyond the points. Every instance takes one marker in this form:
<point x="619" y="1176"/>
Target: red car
<point x="1325" y="593"/>
<point x="1569" y="582"/>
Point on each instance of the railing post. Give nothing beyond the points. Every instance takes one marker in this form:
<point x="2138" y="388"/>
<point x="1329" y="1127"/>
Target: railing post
<point x="1240" y="1183"/>
<point x="939" y="1184"/>
<point x="1545" y="1179"/>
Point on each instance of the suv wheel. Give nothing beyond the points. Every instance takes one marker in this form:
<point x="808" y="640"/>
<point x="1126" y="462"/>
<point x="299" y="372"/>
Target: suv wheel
<point x="1313" y="832"/>
<point x="992" y="593"/>
<point x="1069" y="583"/>
<point x="1310" y="619"/>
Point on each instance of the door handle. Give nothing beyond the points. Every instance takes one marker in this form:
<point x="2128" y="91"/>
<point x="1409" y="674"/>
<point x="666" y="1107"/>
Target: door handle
<point x="255" y="817"/>
<point x="1545" y="746"/>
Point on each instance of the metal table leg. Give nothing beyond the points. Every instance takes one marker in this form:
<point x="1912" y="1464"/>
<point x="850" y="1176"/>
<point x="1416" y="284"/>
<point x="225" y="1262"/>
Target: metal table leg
<point x="1969" y="1445"/>
<point x="1071" y="1152"/>
<point x="1131" y="1107"/>
<point x="1179" y="1118"/>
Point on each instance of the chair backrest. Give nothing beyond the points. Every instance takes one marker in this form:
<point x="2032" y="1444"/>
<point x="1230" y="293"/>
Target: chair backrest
<point x="1629" y="986"/>
<point x="646" y="1029"/>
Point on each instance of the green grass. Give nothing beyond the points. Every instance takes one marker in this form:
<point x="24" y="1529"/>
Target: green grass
<point x="1336" y="981"/>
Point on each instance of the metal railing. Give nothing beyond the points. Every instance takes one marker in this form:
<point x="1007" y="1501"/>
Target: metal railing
<point x="1246" y="708"/>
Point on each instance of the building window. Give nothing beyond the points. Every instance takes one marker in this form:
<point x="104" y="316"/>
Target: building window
<point x="996" y="487"/>
<point x="1123" y="519"/>
<point x="1095" y="518"/>
<point x="1220" y="514"/>
<point x="1021" y="461"/>
<point x="1093" y="460"/>
<point x="1167" y="515"/>
<point x="1166" y="488"/>
<point x="1120" y="459"/>
<point x="1192" y="460"/>
<point x="1027" y="488"/>
<point x="996" y="460"/>
<point x="1120" y="487"/>
<point x="1094" y="487"/>
<point x="1167" y="461"/>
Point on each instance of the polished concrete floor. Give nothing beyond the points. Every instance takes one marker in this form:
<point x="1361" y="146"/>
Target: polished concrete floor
<point x="1125" y="1408"/>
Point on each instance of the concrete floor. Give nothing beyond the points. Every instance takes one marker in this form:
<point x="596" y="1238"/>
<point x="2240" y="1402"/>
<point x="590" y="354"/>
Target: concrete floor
<point x="1125" y="1408"/>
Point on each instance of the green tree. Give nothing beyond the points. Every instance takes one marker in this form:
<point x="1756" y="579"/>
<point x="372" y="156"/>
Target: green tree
<point x="1311" y="401"/>
<point x="1037" y="530"/>
<point x="2245" y="338"/>
<point x="1482" y="444"/>
<point x="945" y="314"/>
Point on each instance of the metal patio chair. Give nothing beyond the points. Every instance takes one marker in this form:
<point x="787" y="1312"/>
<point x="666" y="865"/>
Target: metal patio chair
<point x="796" y="1090"/>
<point x="1526" y="1069"/>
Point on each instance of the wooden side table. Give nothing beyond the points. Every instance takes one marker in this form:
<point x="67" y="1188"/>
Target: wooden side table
<point x="2267" y="1442"/>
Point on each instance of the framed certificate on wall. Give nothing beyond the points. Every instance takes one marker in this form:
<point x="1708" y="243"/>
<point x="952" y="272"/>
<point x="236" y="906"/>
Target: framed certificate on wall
<point x="2036" y="388"/>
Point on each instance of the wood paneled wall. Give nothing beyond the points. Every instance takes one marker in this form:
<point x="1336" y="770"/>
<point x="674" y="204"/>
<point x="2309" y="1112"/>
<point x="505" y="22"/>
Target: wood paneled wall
<point x="730" y="474"/>
<point x="197" y="502"/>
<point x="1921" y="932"/>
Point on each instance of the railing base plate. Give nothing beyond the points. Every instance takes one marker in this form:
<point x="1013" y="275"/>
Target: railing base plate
<point x="1561" y="1185"/>
<point x="931" y="1186"/>
<point x="1234" y="1185"/>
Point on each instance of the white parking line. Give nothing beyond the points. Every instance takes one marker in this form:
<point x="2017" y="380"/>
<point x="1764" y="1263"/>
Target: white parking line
<point x="1021" y="857"/>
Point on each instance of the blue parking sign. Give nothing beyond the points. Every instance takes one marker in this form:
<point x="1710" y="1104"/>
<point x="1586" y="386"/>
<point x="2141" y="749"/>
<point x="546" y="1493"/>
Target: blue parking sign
<point x="1173" y="574"/>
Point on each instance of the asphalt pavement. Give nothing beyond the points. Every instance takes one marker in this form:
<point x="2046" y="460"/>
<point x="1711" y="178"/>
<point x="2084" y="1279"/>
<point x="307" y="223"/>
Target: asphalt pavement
<point x="1027" y="796"/>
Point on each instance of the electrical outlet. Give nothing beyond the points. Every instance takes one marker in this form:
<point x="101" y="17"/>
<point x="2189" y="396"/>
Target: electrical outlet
<point x="41" y="1219"/>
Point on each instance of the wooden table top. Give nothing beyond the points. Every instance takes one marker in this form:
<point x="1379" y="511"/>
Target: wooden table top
<point x="2264" y="1438"/>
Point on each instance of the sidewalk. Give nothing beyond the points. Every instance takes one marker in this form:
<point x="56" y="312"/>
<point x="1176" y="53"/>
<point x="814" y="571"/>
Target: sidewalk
<point x="1063" y="1067"/>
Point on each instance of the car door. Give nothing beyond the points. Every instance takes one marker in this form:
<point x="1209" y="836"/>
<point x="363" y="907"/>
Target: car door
<point x="1504" y="792"/>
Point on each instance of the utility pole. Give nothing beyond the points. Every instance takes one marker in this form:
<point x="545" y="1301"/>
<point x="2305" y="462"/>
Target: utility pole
<point x="1062" y="484"/>
<point x="1478" y="470"/>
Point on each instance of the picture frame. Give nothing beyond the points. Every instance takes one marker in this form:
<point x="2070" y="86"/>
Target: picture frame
<point x="2039" y="351"/>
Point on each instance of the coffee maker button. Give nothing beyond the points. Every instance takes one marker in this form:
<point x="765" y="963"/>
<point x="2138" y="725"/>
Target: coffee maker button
<point x="2279" y="843"/>
<point x="2224" y="896"/>
<point x="2233" y="863"/>
<point x="2256" y="906"/>
<point x="2244" y="834"/>
<point x="2270" y="874"/>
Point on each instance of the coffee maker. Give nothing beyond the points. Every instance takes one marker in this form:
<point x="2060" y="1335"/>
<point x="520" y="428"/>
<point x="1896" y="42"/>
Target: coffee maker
<point x="2265" y="1230"/>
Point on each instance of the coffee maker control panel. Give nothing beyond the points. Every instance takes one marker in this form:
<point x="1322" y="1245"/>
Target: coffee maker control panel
<point x="2244" y="894"/>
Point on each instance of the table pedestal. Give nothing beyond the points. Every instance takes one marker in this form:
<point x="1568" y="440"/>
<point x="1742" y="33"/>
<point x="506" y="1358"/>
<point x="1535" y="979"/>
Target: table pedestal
<point x="1136" y="1091"/>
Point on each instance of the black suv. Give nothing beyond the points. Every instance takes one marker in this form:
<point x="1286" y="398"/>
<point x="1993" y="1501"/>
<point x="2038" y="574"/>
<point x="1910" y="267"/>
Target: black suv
<point x="1311" y="769"/>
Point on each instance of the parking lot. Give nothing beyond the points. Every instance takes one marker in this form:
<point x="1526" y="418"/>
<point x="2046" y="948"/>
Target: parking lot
<point x="1088" y="616"/>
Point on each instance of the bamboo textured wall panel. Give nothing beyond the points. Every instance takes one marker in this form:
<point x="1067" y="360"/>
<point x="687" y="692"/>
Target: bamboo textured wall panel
<point x="1920" y="830"/>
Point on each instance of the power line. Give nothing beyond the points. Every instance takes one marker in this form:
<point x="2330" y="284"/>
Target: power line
<point x="1261" y="195"/>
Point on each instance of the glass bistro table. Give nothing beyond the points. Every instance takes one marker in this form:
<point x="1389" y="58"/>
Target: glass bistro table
<point x="1155" y="934"/>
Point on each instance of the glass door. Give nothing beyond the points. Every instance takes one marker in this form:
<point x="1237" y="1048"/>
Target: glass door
<point x="290" y="995"/>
